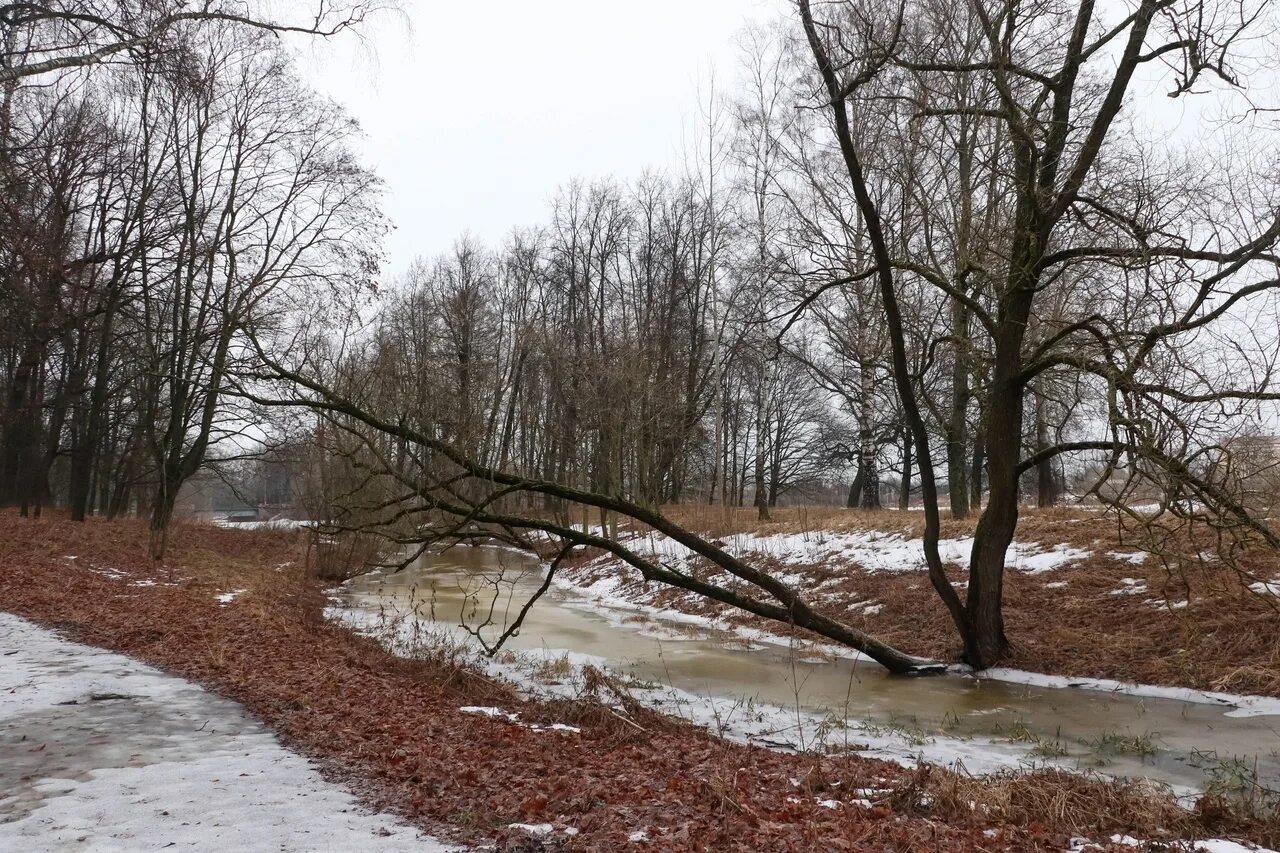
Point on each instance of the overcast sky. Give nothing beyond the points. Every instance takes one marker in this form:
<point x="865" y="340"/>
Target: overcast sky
<point x="476" y="112"/>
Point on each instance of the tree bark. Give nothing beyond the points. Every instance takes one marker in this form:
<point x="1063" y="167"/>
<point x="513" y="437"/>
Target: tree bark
<point x="977" y="469"/>
<point x="957" y="425"/>
<point x="904" y="490"/>
<point x="1048" y="489"/>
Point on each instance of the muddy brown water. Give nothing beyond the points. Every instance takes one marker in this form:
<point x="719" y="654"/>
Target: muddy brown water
<point x="1185" y="744"/>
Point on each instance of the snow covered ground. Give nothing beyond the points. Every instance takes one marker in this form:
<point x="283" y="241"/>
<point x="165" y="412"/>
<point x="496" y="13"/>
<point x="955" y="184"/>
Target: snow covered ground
<point x="271" y="524"/>
<point x="873" y="550"/>
<point x="99" y="752"/>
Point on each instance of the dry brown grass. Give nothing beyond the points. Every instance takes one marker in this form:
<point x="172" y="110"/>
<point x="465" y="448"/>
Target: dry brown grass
<point x="1088" y="806"/>
<point x="1072" y="525"/>
<point x="339" y="557"/>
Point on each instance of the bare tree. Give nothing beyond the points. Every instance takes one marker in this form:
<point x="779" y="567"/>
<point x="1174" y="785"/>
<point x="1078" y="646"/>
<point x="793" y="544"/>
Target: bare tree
<point x="270" y="205"/>
<point x="40" y="38"/>
<point x="1061" y="77"/>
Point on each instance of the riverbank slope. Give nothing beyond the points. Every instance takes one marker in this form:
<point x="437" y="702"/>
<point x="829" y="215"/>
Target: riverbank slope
<point x="233" y="611"/>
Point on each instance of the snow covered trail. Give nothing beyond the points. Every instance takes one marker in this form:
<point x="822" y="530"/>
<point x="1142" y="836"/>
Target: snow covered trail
<point x="99" y="752"/>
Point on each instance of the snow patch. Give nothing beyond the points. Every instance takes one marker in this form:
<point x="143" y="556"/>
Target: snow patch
<point x="181" y="767"/>
<point x="1136" y="558"/>
<point x="1211" y="845"/>
<point x="489" y="712"/>
<point x="510" y="717"/>
<point x="873" y="550"/>
<point x="535" y="829"/>
<point x="1241" y="705"/>
<point x="1131" y="586"/>
<point x="272" y="524"/>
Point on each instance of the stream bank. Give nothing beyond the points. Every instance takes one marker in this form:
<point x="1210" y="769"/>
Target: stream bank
<point x="780" y="691"/>
<point x="464" y="756"/>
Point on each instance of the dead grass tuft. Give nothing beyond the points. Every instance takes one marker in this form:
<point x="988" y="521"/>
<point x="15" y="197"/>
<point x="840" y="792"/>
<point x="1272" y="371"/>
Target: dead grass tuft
<point x="1088" y="806"/>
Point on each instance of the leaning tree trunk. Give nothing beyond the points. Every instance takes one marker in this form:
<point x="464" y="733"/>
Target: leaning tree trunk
<point x="855" y="489"/>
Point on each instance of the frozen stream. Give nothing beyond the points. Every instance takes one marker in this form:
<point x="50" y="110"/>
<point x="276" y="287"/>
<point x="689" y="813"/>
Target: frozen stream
<point x="985" y="723"/>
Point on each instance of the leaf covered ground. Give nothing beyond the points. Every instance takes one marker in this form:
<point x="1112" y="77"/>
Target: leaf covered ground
<point x="395" y="730"/>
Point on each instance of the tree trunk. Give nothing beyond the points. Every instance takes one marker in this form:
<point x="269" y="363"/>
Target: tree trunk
<point x="957" y="425"/>
<point x="855" y="489"/>
<point x="904" y="490"/>
<point x="977" y="469"/>
<point x="762" y="496"/>
<point x="1048" y="489"/>
<point x="870" y="497"/>
<point x="985" y="641"/>
<point x="166" y="499"/>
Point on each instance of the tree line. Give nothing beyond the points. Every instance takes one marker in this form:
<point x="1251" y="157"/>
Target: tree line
<point x="927" y="252"/>
<point x="168" y="182"/>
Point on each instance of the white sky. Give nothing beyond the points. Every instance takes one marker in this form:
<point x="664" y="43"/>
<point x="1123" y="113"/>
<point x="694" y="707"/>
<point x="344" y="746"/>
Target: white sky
<point x="476" y="112"/>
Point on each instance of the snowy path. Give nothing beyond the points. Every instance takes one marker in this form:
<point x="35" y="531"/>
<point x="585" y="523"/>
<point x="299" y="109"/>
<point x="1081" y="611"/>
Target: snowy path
<point x="99" y="752"/>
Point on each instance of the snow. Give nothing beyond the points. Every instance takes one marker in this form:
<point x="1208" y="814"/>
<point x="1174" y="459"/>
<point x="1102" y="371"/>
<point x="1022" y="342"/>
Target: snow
<point x="874" y="551"/>
<point x="107" y="572"/>
<point x="129" y="758"/>
<point x="1161" y="603"/>
<point x="228" y="597"/>
<point x="1216" y="845"/>
<point x="536" y="829"/>
<point x="1211" y="845"/>
<point x="488" y="712"/>
<point x="272" y="524"/>
<point x="510" y="717"/>
<point x="638" y="837"/>
<point x="1241" y="705"/>
<point x="1131" y="586"/>
<point x="1135" y="558"/>
<point x="1263" y="588"/>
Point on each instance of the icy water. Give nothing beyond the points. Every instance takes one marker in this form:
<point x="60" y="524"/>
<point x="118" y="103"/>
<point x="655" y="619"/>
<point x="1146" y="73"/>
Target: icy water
<point x="1185" y="744"/>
